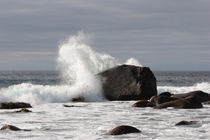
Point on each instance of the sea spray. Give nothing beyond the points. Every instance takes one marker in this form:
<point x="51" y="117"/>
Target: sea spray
<point x="132" y="61"/>
<point x="78" y="64"/>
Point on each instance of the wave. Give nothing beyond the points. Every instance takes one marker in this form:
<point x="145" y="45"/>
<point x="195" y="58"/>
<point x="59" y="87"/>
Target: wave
<point x="204" y="86"/>
<point x="78" y="64"/>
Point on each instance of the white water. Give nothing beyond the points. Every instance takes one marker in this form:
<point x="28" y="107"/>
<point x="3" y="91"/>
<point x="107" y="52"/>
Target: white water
<point x="92" y="121"/>
<point x="78" y="64"/>
<point x="204" y="86"/>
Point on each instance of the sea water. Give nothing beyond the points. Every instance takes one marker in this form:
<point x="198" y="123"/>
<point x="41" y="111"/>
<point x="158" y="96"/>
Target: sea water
<point x="78" y="64"/>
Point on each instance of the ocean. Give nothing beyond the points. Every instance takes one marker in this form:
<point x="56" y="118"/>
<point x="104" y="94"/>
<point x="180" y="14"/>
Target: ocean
<point x="50" y="120"/>
<point x="78" y="63"/>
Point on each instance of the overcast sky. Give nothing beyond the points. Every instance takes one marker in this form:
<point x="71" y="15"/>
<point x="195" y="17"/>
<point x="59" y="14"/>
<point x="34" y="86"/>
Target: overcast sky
<point x="161" y="34"/>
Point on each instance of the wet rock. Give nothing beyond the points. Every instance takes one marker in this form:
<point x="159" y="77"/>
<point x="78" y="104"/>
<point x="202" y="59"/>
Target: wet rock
<point x="128" y="82"/>
<point x="168" y="94"/>
<point x="160" y="99"/>
<point x="123" y="129"/>
<point x="186" y="123"/>
<point x="202" y="96"/>
<point x="23" y="110"/>
<point x="13" y="128"/>
<point x="191" y="102"/>
<point x="143" y="103"/>
<point x="14" y="105"/>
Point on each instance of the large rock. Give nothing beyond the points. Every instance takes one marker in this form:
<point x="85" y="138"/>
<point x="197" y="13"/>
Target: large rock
<point x="14" y="105"/>
<point x="128" y="82"/>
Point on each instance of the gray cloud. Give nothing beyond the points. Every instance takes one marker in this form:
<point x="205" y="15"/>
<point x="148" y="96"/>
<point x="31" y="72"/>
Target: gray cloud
<point x="162" y="34"/>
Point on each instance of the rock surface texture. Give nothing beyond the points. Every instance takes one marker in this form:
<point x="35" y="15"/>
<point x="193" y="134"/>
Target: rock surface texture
<point x="127" y="82"/>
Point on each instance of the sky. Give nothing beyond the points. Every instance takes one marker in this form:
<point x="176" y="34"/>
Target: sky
<point x="161" y="34"/>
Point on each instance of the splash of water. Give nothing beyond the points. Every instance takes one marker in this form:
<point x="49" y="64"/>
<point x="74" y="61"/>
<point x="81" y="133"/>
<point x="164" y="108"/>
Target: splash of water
<point x="133" y="61"/>
<point x="78" y="64"/>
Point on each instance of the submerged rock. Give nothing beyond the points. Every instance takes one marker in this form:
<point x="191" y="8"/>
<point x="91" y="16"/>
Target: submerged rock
<point x="186" y="123"/>
<point x="14" y="105"/>
<point x="10" y="127"/>
<point x="72" y="105"/>
<point x="23" y="110"/>
<point x="123" y="129"/>
<point x="128" y="82"/>
<point x="13" y="128"/>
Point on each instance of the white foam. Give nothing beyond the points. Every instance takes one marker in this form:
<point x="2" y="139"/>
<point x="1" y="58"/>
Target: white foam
<point x="204" y="86"/>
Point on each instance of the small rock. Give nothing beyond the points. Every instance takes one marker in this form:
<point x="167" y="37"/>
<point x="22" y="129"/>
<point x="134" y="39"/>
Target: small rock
<point x="71" y="105"/>
<point x="186" y="123"/>
<point x="123" y="129"/>
<point x="10" y="127"/>
<point x="13" y="128"/>
<point x="78" y="99"/>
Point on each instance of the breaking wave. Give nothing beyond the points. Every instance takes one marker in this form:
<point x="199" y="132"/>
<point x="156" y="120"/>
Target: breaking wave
<point x="78" y="64"/>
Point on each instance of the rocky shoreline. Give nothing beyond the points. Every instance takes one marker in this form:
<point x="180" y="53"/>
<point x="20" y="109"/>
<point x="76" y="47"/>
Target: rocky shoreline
<point x="127" y="82"/>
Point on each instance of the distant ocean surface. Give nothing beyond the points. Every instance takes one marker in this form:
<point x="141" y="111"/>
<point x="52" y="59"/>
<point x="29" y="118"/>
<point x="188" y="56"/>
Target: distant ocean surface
<point x="164" y="78"/>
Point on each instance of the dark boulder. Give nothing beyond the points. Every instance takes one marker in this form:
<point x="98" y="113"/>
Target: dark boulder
<point x="128" y="82"/>
<point x="14" y="105"/>
<point x="123" y="129"/>
<point x="186" y="123"/>
<point x="143" y="103"/>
